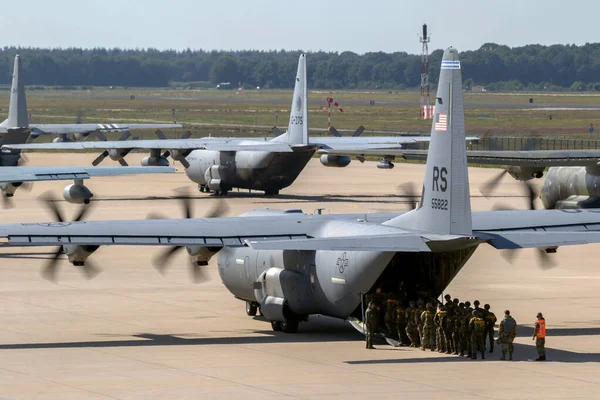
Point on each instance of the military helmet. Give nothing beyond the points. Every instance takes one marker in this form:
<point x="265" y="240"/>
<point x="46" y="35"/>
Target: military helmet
<point x="456" y="301"/>
<point x="487" y="306"/>
<point x="461" y="304"/>
<point x="476" y="303"/>
<point x="412" y="303"/>
<point x="467" y="304"/>
<point x="448" y="297"/>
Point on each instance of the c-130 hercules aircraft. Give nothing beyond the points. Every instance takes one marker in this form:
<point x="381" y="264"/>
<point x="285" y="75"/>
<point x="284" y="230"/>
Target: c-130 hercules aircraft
<point x="292" y="265"/>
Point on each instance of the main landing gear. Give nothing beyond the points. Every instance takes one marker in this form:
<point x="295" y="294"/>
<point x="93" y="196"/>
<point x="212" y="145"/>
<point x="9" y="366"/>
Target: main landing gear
<point x="290" y="325"/>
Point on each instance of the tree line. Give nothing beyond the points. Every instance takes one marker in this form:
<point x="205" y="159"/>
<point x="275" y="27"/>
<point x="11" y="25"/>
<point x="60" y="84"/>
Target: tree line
<point x="493" y="66"/>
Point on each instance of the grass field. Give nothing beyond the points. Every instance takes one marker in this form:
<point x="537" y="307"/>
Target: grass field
<point x="216" y="112"/>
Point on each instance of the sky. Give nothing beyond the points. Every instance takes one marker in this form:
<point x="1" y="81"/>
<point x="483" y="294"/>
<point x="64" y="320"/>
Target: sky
<point x="351" y="25"/>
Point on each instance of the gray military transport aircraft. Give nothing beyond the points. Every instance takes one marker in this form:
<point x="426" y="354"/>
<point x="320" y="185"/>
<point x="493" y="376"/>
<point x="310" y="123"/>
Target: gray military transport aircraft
<point x="16" y="129"/>
<point x="220" y="164"/>
<point x="292" y="264"/>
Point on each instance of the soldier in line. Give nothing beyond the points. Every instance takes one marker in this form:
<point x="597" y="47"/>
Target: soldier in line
<point x="490" y="322"/>
<point x="447" y="327"/>
<point x="507" y="334"/>
<point x="401" y="324"/>
<point x="440" y="336"/>
<point x="467" y="315"/>
<point x="539" y="335"/>
<point x="419" y="323"/>
<point x="390" y="317"/>
<point x="448" y="305"/>
<point x="476" y="328"/>
<point x="371" y="324"/>
<point x="428" y="328"/>
<point x="411" y="324"/>
<point x="463" y="330"/>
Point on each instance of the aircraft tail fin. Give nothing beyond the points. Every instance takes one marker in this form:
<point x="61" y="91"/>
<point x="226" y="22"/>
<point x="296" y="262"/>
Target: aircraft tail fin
<point x="17" y="109"/>
<point x="445" y="202"/>
<point x="298" y="127"/>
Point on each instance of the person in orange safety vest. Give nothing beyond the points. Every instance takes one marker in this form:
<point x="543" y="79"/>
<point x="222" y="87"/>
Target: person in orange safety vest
<point x="539" y="335"/>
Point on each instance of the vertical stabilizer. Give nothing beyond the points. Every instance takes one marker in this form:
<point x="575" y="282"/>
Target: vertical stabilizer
<point x="445" y="203"/>
<point x="17" y="109"/>
<point x="298" y="127"/>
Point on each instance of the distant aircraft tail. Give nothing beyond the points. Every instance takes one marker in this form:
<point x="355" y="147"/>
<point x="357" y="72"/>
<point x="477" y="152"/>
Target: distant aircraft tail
<point x="17" y="109"/>
<point x="445" y="202"/>
<point x="298" y="127"/>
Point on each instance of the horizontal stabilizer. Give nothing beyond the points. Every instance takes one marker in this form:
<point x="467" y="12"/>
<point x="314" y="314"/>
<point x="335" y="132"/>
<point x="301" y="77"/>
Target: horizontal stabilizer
<point x="538" y="239"/>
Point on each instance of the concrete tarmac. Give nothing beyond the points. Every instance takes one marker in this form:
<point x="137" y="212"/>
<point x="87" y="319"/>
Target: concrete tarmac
<point x="131" y="333"/>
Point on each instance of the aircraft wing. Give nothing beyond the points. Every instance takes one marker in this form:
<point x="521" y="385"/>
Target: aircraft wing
<point x="333" y="143"/>
<point x="216" y="144"/>
<point x="32" y="174"/>
<point x="531" y="158"/>
<point x="502" y="229"/>
<point x="537" y="229"/>
<point x="61" y="129"/>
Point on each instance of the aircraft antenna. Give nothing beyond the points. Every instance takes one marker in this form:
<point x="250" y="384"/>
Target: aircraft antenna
<point x="426" y="107"/>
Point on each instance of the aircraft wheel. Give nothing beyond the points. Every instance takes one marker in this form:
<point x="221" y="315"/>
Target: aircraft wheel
<point x="271" y="192"/>
<point x="276" y="325"/>
<point x="251" y="309"/>
<point x="290" y="325"/>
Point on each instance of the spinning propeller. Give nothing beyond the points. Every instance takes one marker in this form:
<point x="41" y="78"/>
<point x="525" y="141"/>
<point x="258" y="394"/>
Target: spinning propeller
<point x="161" y="262"/>
<point x="7" y="201"/>
<point x="50" y="270"/>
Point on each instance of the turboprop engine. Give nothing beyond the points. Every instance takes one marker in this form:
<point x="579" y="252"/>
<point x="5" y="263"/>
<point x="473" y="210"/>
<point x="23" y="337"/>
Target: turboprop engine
<point x="524" y="173"/>
<point x="571" y="187"/>
<point x="77" y="193"/>
<point x="151" y="161"/>
<point x="335" y="161"/>
<point x="77" y="254"/>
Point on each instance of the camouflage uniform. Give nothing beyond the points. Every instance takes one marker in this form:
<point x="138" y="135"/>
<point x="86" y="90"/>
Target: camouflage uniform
<point x="506" y="335"/>
<point x="428" y="328"/>
<point x="468" y="310"/>
<point x="418" y="322"/>
<point x="440" y="332"/>
<point x="411" y="325"/>
<point x="371" y="322"/>
<point x="476" y="328"/>
<point x="390" y="317"/>
<point x="540" y="341"/>
<point x="455" y="330"/>
<point x="401" y="325"/>
<point x="490" y="322"/>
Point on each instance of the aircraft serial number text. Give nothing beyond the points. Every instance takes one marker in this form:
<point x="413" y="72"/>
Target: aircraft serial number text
<point x="296" y="120"/>
<point x="439" y="204"/>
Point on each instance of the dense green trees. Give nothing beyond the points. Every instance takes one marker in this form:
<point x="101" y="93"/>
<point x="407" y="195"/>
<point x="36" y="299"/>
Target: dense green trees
<point x="497" y="67"/>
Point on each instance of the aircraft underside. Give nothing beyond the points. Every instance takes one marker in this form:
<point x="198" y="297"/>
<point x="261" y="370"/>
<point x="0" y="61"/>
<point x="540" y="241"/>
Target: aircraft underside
<point x="289" y="286"/>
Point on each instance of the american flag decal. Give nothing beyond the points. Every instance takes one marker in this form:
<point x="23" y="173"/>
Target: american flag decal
<point x="441" y="122"/>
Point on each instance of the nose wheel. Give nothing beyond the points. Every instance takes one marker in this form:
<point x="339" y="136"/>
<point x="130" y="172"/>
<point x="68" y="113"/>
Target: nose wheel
<point x="251" y="309"/>
<point x="290" y="325"/>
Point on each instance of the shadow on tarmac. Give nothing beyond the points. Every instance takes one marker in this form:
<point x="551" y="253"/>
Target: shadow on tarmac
<point x="318" y="329"/>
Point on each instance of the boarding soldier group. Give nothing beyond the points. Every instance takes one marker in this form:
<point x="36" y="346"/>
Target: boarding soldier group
<point x="452" y="327"/>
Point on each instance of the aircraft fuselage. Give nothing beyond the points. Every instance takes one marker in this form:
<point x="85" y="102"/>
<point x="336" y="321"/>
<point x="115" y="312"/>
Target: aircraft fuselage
<point x="257" y="170"/>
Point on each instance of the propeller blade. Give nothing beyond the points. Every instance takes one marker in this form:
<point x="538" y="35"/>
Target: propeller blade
<point x="219" y="208"/>
<point x="125" y="135"/>
<point x="184" y="162"/>
<point x="358" y="131"/>
<point x="197" y="273"/>
<point x="89" y="270"/>
<point x="502" y="207"/>
<point x="186" y="135"/>
<point x="23" y="159"/>
<point x="51" y="202"/>
<point x="100" y="158"/>
<point x="409" y="191"/>
<point x="123" y="162"/>
<point x="50" y="269"/>
<point x="166" y="154"/>
<point x="532" y="194"/>
<point x="7" y="202"/>
<point x="488" y="187"/>
<point x="509" y="255"/>
<point x="160" y="135"/>
<point x="545" y="262"/>
<point x="161" y="262"/>
<point x="26" y="186"/>
<point x="184" y="195"/>
<point x="83" y="211"/>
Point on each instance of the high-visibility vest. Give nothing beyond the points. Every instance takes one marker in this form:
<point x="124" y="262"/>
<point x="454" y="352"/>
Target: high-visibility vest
<point x="541" y="332"/>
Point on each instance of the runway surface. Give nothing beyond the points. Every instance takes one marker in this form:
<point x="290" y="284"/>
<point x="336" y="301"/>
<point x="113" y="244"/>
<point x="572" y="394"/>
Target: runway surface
<point x="134" y="334"/>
